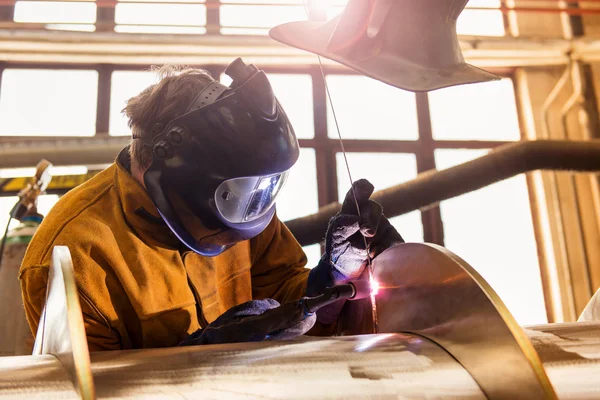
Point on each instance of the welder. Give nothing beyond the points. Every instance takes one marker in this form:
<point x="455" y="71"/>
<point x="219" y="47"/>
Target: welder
<point x="178" y="240"/>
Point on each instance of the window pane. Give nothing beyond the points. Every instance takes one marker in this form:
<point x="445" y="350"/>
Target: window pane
<point x="160" y="18"/>
<point x="55" y="11"/>
<point x="248" y="16"/>
<point x="125" y="85"/>
<point x="383" y="170"/>
<point x="482" y="111"/>
<point x="369" y="109"/>
<point x="481" y="22"/>
<point x="294" y="92"/>
<point x="299" y="196"/>
<point x="313" y="253"/>
<point x="48" y="102"/>
<point x="492" y="230"/>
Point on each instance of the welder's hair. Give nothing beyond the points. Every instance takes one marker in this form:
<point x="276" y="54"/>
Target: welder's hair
<point x="161" y="103"/>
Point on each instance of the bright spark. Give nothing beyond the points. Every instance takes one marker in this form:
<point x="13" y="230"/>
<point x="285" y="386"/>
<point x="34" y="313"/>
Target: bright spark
<point x="374" y="287"/>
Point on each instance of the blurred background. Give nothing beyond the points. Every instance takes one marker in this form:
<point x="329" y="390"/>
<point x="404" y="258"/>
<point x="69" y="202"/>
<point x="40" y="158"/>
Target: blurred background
<point x="67" y="69"/>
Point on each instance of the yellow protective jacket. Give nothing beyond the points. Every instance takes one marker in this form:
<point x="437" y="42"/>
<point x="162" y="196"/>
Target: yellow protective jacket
<point x="137" y="287"/>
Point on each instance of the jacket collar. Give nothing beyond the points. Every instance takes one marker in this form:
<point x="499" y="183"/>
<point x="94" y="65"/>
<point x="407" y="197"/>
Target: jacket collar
<point x="139" y="210"/>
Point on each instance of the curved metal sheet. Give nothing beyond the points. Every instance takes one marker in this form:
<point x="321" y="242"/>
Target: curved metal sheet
<point x="390" y="366"/>
<point x="571" y="356"/>
<point x="427" y="290"/>
<point x="61" y="331"/>
<point x="35" y="377"/>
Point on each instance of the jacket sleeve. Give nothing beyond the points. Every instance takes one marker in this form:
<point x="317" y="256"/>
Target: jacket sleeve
<point x="279" y="272"/>
<point x="278" y="265"/>
<point x="34" y="280"/>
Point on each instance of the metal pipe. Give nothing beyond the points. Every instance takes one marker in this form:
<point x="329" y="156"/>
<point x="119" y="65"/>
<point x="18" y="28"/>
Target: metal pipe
<point x="555" y="198"/>
<point x="432" y="187"/>
<point x="65" y="151"/>
<point x="552" y="98"/>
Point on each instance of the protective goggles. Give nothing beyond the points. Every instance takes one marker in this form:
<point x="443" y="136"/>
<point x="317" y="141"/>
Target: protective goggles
<point x="241" y="200"/>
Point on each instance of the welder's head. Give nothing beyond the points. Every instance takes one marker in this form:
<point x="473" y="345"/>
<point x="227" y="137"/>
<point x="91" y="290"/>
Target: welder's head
<point x="214" y="157"/>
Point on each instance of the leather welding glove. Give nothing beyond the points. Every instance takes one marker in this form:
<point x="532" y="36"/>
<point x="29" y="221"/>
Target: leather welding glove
<point x="255" y="321"/>
<point x="345" y="256"/>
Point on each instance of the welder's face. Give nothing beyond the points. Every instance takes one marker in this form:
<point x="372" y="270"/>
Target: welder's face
<point x="194" y="225"/>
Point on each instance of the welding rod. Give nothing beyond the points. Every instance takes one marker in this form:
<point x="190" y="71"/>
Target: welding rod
<point x="353" y="290"/>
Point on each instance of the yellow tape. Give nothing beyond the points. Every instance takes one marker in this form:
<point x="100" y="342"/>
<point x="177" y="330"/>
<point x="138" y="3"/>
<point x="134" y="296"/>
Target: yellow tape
<point x="64" y="182"/>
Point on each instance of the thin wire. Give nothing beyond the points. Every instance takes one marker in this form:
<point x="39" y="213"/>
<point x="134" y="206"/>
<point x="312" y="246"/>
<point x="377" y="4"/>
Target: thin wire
<point x="337" y="126"/>
<point x="369" y="264"/>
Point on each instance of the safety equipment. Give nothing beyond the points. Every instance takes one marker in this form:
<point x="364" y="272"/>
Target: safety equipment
<point x="345" y="256"/>
<point x="255" y="321"/>
<point x="409" y="44"/>
<point x="226" y="159"/>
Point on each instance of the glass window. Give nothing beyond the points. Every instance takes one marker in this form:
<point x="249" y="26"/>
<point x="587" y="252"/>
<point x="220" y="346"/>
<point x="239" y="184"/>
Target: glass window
<point x="125" y="85"/>
<point x="383" y="170"/>
<point x="294" y="92"/>
<point x="369" y="109"/>
<point x="36" y="102"/>
<point x="299" y="196"/>
<point x="259" y="18"/>
<point x="481" y="22"/>
<point x="482" y="111"/>
<point x="313" y="253"/>
<point x="55" y="12"/>
<point x="492" y="230"/>
<point x="160" y="17"/>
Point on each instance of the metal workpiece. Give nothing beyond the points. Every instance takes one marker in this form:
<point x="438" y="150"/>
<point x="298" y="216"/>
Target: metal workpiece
<point x="449" y="337"/>
<point x="425" y="289"/>
<point x="570" y="353"/>
<point x="359" y="367"/>
<point x="35" y="377"/>
<point x="61" y="332"/>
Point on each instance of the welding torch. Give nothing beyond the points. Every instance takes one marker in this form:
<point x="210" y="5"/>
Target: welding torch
<point x="353" y="290"/>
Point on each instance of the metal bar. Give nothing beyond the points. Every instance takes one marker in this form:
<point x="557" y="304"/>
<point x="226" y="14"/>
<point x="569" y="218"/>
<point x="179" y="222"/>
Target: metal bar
<point x="435" y="186"/>
<point x="103" y="101"/>
<point x="72" y="151"/>
<point x="433" y="229"/>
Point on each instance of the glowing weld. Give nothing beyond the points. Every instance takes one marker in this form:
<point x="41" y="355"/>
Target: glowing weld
<point x="374" y="287"/>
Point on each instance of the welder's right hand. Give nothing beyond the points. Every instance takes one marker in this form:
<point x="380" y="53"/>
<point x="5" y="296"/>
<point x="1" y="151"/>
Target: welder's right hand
<point x="255" y="321"/>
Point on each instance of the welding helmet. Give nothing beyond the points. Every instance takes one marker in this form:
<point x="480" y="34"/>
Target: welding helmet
<point x="225" y="161"/>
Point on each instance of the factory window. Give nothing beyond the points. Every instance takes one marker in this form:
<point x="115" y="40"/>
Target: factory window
<point x="67" y="15"/>
<point x="481" y="18"/>
<point x="125" y="85"/>
<point x="37" y="102"/>
<point x="369" y="109"/>
<point x="257" y="19"/>
<point x="155" y="17"/>
<point x="299" y="196"/>
<point x="383" y="170"/>
<point x="483" y="111"/>
<point x="492" y="230"/>
<point x="294" y="92"/>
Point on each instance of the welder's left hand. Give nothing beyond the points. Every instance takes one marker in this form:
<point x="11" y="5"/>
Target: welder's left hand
<point x="345" y="255"/>
<point x="255" y="321"/>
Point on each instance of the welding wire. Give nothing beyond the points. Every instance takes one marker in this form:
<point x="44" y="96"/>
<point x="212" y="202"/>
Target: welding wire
<point x="369" y="264"/>
<point x="337" y="126"/>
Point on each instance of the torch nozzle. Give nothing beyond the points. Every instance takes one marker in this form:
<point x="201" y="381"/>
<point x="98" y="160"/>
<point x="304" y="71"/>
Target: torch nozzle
<point x="353" y="290"/>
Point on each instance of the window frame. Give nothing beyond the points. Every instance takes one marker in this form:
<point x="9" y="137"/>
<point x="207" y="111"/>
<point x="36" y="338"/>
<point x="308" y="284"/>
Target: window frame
<point x="325" y="147"/>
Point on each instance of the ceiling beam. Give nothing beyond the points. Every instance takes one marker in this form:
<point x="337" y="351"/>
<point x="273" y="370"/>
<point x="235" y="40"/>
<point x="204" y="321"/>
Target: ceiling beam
<point x="38" y="46"/>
